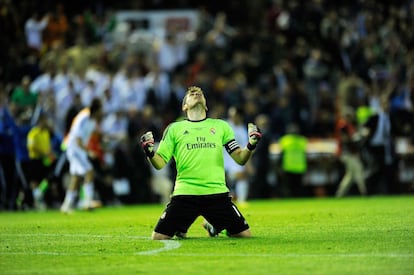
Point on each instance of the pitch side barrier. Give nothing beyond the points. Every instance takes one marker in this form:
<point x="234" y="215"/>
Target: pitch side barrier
<point x="324" y="165"/>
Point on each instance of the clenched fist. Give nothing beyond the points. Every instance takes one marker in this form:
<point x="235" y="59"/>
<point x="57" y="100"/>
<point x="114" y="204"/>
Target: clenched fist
<point x="254" y="136"/>
<point x="147" y="144"/>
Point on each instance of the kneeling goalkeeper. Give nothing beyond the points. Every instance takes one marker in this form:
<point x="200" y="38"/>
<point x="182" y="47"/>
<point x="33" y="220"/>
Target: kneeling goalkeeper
<point x="200" y="188"/>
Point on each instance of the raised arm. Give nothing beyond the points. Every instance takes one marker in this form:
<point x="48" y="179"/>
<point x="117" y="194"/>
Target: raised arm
<point x="147" y="144"/>
<point x="241" y="156"/>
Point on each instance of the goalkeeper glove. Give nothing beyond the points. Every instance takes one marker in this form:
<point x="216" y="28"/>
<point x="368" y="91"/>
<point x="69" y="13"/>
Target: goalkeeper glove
<point x="254" y="136"/>
<point x="147" y="144"/>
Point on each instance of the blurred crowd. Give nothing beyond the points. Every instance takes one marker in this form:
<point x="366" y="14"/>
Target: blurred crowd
<point x="284" y="63"/>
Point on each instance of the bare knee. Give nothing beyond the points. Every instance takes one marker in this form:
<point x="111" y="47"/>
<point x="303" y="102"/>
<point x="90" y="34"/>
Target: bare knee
<point x="159" y="236"/>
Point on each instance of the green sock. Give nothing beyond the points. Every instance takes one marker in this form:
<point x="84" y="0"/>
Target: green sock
<point x="44" y="184"/>
<point x="81" y="193"/>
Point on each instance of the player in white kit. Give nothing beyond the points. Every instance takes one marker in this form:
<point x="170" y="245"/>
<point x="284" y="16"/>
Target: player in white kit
<point x="80" y="167"/>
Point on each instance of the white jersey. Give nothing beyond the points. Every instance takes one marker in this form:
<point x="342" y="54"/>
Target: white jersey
<point x="33" y="30"/>
<point x="82" y="127"/>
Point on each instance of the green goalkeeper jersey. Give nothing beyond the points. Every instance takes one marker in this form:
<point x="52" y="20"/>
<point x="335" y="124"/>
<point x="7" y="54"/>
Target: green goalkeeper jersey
<point x="197" y="147"/>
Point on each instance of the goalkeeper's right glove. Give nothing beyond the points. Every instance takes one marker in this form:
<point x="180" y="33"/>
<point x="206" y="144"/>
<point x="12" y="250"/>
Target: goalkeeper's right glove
<point x="147" y="144"/>
<point x="254" y="136"/>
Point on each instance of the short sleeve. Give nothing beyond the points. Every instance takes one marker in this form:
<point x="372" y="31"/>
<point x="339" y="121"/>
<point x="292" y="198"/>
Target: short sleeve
<point x="167" y="144"/>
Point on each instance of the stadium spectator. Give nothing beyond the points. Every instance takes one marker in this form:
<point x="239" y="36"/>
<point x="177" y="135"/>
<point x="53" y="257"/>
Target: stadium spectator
<point x="315" y="71"/>
<point x="135" y="92"/>
<point x="12" y="42"/>
<point x="262" y="179"/>
<point x="102" y="179"/>
<point x="324" y="124"/>
<point x="171" y="53"/>
<point x="80" y="166"/>
<point x="198" y="65"/>
<point x="281" y="115"/>
<point x="89" y="92"/>
<point x="57" y="27"/>
<point x="351" y="91"/>
<point x="402" y="106"/>
<point x="44" y="82"/>
<point x="23" y="97"/>
<point x="237" y="175"/>
<point x="21" y="194"/>
<point x="130" y="169"/>
<point x="7" y="154"/>
<point x="194" y="143"/>
<point x="380" y="155"/>
<point x="158" y="85"/>
<point x="64" y="99"/>
<point x="349" y="146"/>
<point x="34" y="27"/>
<point x="217" y="41"/>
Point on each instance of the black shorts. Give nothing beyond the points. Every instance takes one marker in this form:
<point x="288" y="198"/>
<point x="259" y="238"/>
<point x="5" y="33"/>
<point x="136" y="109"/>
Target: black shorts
<point x="218" y="210"/>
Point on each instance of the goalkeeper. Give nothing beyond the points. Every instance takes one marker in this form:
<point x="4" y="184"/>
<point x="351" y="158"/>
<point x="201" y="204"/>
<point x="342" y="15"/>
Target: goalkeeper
<point x="200" y="188"/>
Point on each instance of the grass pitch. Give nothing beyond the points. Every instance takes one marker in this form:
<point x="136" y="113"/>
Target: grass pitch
<point x="373" y="235"/>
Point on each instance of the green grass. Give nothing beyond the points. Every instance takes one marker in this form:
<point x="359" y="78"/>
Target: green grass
<point x="373" y="235"/>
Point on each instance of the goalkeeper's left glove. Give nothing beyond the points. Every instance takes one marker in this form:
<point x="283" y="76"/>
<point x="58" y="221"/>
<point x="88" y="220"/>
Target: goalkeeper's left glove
<point x="147" y="144"/>
<point x="254" y="136"/>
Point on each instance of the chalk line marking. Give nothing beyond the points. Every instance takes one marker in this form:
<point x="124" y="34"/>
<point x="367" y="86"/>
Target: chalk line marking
<point x="168" y="244"/>
<point x="297" y="255"/>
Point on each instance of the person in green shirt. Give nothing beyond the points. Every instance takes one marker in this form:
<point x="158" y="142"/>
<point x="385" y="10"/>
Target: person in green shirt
<point x="293" y="160"/>
<point x="23" y="97"/>
<point x="200" y="189"/>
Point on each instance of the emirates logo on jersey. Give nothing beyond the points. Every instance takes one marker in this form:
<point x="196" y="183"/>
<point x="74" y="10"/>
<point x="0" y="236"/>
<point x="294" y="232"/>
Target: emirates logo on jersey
<point x="213" y="131"/>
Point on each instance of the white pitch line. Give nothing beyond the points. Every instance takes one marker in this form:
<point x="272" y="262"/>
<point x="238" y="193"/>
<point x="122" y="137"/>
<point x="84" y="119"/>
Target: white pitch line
<point x="168" y="244"/>
<point x="75" y="236"/>
<point x="295" y="255"/>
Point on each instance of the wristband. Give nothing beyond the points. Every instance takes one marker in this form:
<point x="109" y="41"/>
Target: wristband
<point x="150" y="154"/>
<point x="250" y="146"/>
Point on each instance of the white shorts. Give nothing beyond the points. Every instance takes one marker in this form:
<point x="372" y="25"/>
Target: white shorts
<point x="79" y="163"/>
